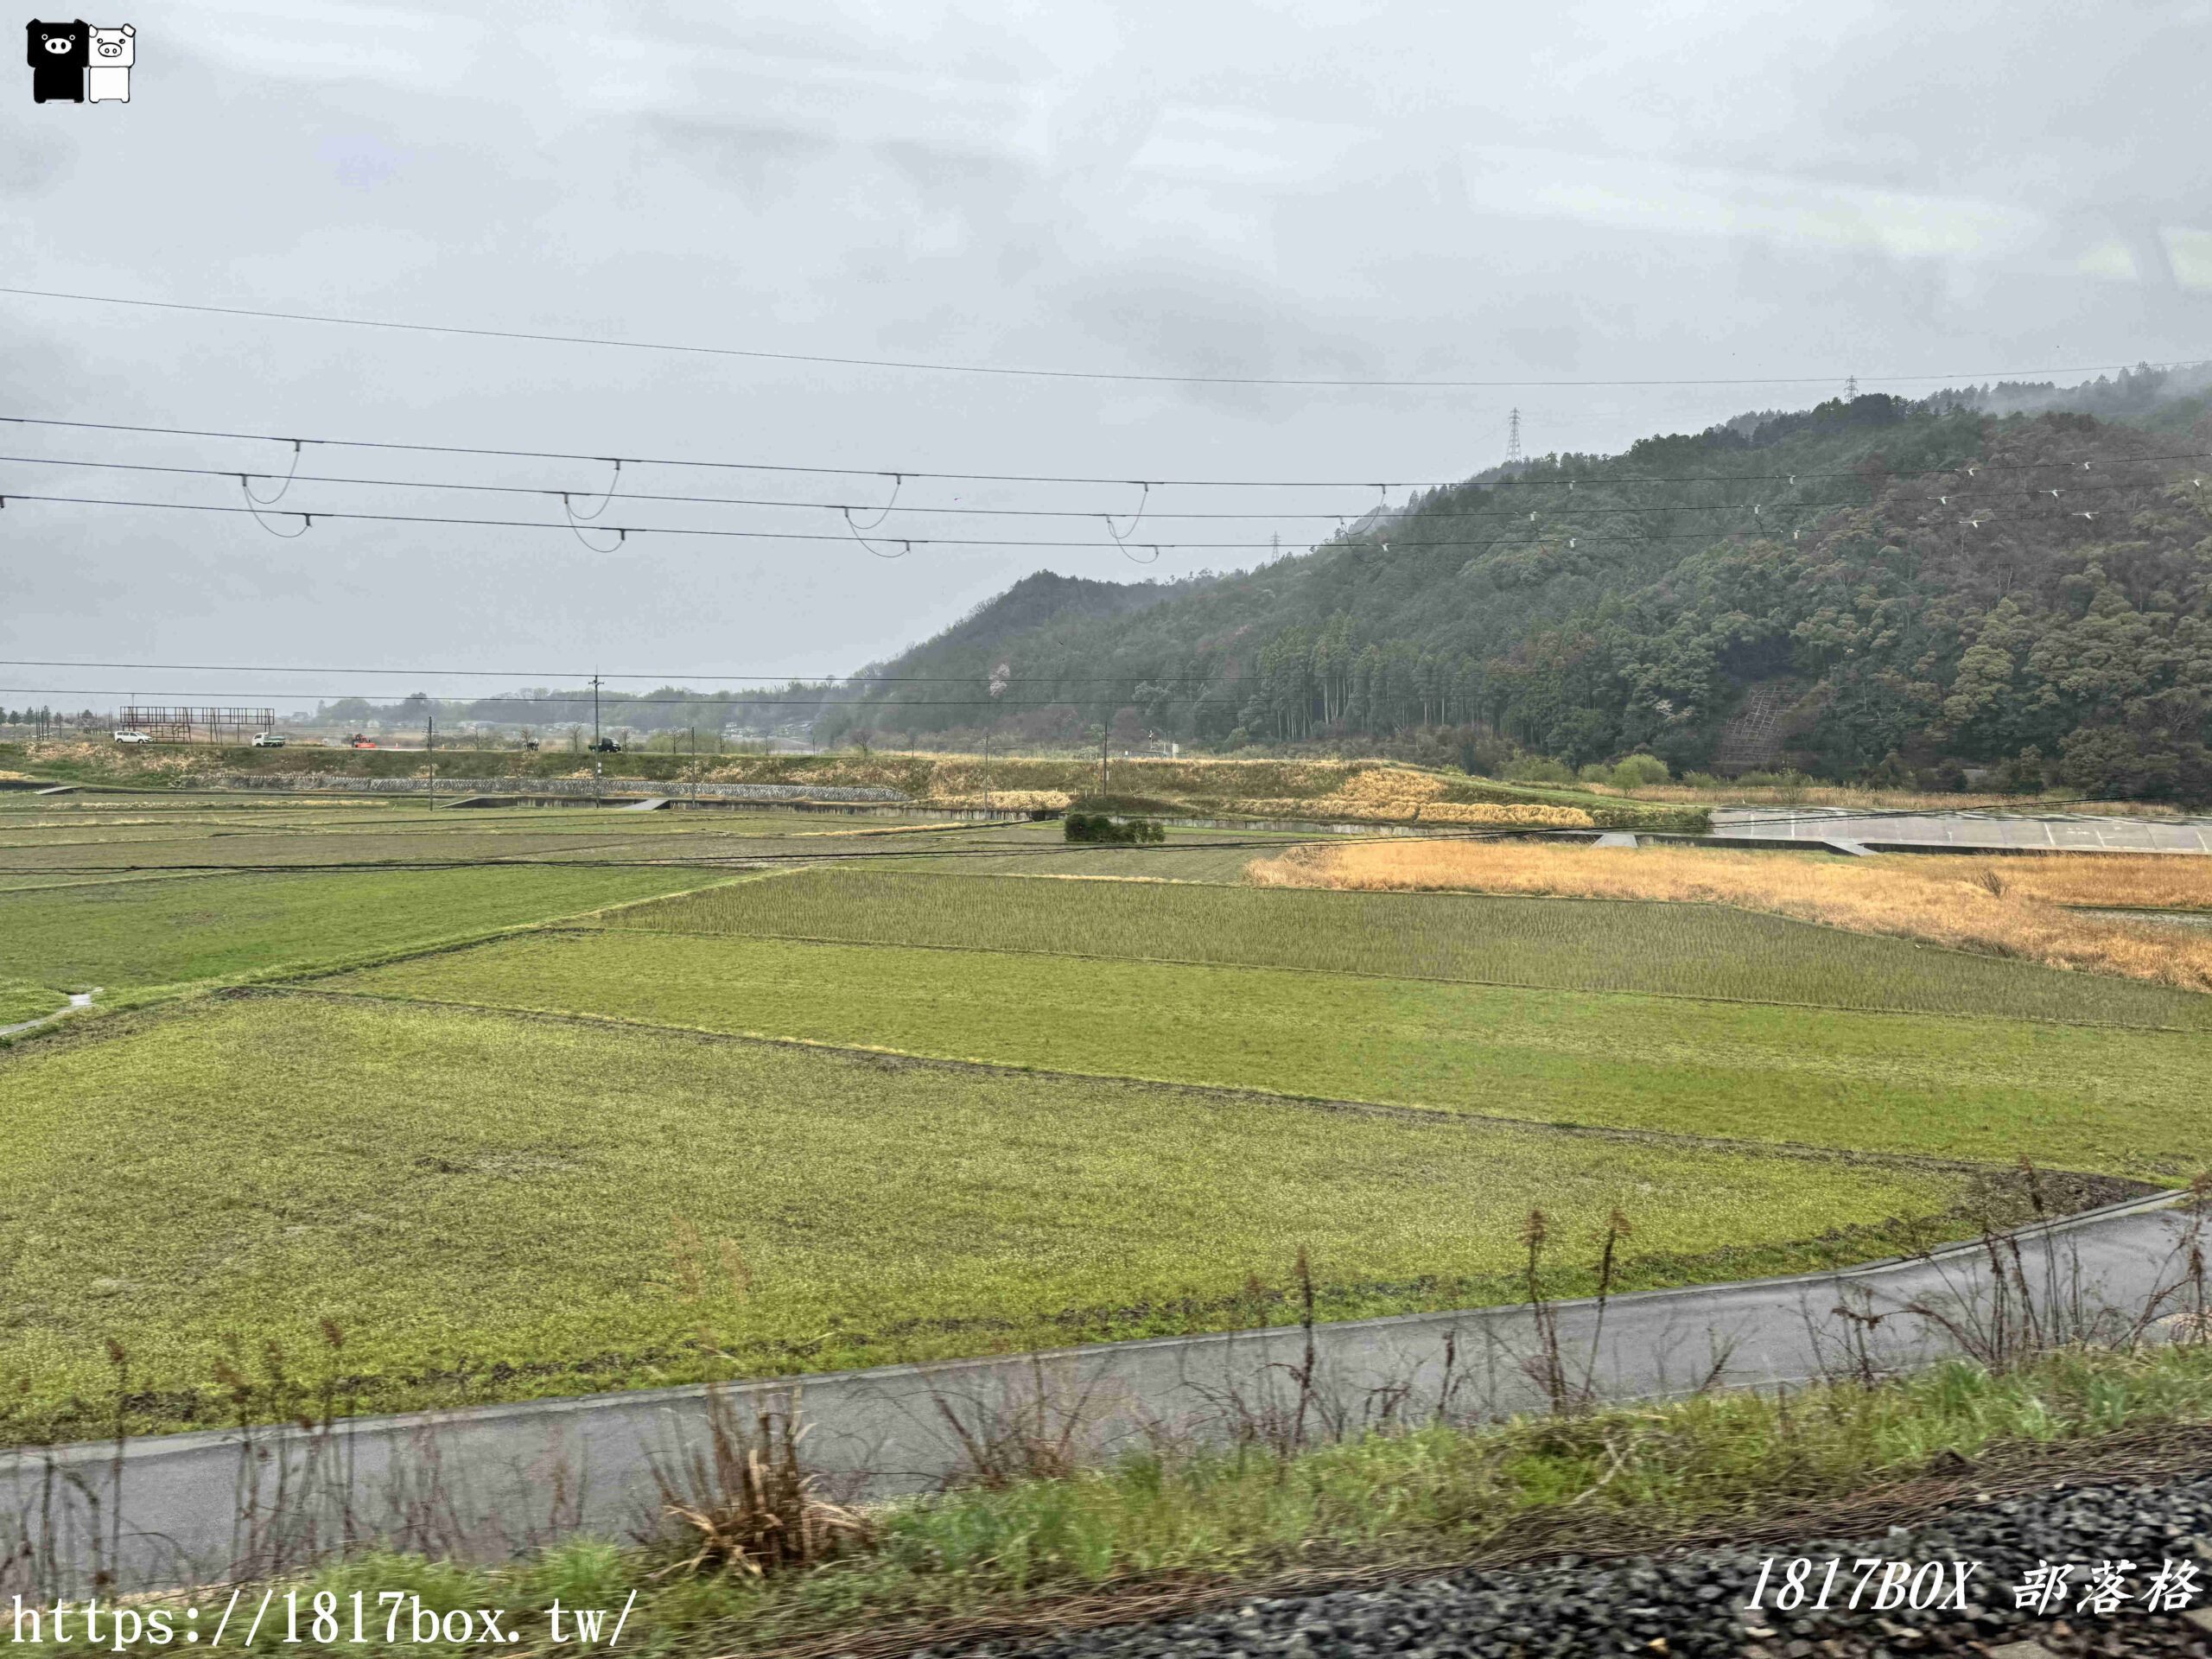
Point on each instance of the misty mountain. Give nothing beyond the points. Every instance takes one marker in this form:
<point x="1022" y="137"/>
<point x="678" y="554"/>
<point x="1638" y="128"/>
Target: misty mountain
<point x="1864" y="587"/>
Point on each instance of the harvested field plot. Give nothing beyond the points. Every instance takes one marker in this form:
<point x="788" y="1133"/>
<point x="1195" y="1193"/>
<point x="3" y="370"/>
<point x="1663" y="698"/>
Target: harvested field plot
<point x="492" y="1206"/>
<point x="2081" y="1097"/>
<point x="1215" y="856"/>
<point x="1593" y="945"/>
<point x="93" y="840"/>
<point x="258" y="849"/>
<point x="123" y="934"/>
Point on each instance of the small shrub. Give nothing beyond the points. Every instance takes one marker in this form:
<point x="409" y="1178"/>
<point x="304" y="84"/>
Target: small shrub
<point x="1637" y="771"/>
<point x="1103" y="830"/>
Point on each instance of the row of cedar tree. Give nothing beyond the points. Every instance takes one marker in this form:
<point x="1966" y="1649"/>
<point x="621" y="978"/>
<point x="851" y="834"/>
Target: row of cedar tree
<point x="1918" y="581"/>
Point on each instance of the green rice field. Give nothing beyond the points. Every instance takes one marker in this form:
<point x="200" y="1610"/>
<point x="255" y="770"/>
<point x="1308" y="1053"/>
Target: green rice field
<point x="493" y="1206"/>
<point x="120" y="935"/>
<point x="2078" y="1096"/>
<point x="1584" y="944"/>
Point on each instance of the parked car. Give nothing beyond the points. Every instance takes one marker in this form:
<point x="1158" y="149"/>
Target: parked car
<point x="606" y="746"/>
<point x="269" y="740"/>
<point x="133" y="737"/>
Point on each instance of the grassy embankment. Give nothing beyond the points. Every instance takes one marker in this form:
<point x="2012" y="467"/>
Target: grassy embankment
<point x="1980" y="1081"/>
<point x="493" y="1206"/>
<point x="1157" y="1534"/>
<point x="2014" y="906"/>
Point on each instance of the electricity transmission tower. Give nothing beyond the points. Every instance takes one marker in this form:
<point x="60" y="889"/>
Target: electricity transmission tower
<point x="1850" y="388"/>
<point x="1513" y="440"/>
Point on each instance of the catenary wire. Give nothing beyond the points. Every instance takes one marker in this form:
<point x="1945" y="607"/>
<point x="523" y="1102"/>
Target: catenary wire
<point x="1420" y="515"/>
<point x="1370" y="483"/>
<point x="626" y="530"/>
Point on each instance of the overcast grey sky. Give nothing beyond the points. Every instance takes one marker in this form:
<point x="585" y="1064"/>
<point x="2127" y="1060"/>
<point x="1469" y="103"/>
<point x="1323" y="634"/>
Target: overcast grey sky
<point x="1599" y="193"/>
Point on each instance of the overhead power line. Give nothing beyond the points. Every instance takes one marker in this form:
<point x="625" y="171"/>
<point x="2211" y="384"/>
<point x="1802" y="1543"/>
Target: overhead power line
<point x="694" y="349"/>
<point x="583" y="521"/>
<point x="889" y="472"/>
<point x="896" y="474"/>
<point x="623" y="532"/>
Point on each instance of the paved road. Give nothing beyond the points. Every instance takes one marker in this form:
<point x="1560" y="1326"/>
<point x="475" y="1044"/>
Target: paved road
<point x="2007" y="831"/>
<point x="197" y="1508"/>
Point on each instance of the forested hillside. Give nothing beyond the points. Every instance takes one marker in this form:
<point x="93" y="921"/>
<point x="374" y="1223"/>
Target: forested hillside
<point x="1859" y="589"/>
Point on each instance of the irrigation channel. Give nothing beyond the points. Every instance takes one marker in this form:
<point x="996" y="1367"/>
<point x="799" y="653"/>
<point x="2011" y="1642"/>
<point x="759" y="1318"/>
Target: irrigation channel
<point x="207" y="1507"/>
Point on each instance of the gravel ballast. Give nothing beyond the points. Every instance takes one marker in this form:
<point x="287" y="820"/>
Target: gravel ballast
<point x="1694" y="1604"/>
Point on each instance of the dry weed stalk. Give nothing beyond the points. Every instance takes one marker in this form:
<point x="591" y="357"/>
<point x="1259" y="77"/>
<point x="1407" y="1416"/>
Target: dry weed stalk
<point x="2010" y="907"/>
<point x="747" y="1504"/>
<point x="1037" y="1433"/>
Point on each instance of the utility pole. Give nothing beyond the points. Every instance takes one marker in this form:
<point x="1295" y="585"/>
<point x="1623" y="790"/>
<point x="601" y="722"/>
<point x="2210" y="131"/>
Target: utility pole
<point x="594" y="741"/>
<point x="1104" y="727"/>
<point x="431" y="748"/>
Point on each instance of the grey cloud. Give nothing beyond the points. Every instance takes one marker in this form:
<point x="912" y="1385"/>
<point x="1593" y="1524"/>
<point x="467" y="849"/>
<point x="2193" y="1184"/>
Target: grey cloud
<point x="1326" y="190"/>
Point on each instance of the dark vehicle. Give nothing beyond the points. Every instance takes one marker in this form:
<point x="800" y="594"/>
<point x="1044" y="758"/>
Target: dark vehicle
<point x="606" y="746"/>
